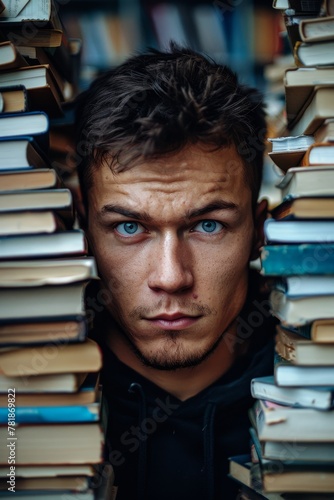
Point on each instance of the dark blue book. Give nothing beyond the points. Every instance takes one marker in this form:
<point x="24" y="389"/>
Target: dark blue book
<point x="297" y="259"/>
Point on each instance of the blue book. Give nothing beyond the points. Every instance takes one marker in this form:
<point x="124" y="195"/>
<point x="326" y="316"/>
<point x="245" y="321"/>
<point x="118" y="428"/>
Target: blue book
<point x="297" y="259"/>
<point x="52" y="414"/>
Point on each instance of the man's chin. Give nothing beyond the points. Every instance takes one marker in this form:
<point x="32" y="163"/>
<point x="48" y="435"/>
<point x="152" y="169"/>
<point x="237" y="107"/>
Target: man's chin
<point x="173" y="357"/>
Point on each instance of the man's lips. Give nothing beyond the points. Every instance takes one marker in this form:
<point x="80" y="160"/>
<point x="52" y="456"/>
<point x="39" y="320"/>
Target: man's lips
<point x="175" y="321"/>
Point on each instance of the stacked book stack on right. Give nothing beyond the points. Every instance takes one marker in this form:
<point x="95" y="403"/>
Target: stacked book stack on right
<point x="293" y="417"/>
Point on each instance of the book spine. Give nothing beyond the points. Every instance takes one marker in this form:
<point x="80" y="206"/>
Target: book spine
<point x="300" y="259"/>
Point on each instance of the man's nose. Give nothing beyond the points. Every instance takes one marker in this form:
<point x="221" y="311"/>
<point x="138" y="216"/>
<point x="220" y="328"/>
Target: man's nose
<point x="171" y="266"/>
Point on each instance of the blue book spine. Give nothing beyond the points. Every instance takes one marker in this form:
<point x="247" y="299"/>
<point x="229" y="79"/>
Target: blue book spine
<point x="297" y="259"/>
<point x="51" y="414"/>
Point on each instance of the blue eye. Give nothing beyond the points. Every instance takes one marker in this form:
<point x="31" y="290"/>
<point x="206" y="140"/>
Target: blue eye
<point x="208" y="226"/>
<point x="129" y="228"/>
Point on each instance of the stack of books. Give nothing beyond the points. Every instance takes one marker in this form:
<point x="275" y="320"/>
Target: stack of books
<point x="292" y="421"/>
<point x="50" y="424"/>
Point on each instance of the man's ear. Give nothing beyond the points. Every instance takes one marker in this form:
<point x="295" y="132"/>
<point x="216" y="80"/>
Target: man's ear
<point x="260" y="216"/>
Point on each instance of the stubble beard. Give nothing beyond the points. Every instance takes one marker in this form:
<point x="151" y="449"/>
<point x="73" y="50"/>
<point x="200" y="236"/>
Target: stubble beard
<point x="165" y="360"/>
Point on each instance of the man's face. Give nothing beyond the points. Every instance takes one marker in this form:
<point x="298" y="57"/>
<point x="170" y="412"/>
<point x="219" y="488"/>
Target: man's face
<point x="172" y="239"/>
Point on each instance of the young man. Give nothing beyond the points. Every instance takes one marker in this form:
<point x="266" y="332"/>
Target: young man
<point x="171" y="158"/>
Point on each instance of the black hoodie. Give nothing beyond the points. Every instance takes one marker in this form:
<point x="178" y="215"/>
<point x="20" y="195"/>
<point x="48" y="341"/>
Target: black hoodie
<point x="162" y="448"/>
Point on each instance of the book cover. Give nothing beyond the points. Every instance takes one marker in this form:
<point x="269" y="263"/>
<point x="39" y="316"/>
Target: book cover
<point x="321" y="398"/>
<point x="38" y="272"/>
<point x="42" y="88"/>
<point x="29" y="123"/>
<point x="298" y="231"/>
<point x="319" y="153"/>
<point x="48" y="301"/>
<point x="301" y="351"/>
<point x="52" y="414"/>
<point x="288" y="375"/>
<point x="299" y="83"/>
<point x="317" y="29"/>
<point x="80" y="443"/>
<point x="305" y="207"/>
<point x="307" y="181"/>
<point x="31" y="331"/>
<point x="37" y="360"/>
<point x="19" y="152"/>
<point x="284" y="423"/>
<point x="9" y="56"/>
<point x="297" y="259"/>
<point x="41" y="178"/>
<point x="300" y="310"/>
<point x="317" y="109"/>
<point x="13" y="99"/>
<point x="61" y="244"/>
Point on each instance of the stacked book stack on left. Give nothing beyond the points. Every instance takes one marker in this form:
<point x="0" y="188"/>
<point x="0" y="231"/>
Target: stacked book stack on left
<point x="50" y="431"/>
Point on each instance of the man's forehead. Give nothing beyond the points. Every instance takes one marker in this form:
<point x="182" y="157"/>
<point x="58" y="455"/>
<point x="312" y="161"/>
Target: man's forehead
<point x="194" y="161"/>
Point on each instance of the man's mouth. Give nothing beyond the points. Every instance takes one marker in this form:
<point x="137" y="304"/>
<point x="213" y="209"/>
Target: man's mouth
<point x="173" y="321"/>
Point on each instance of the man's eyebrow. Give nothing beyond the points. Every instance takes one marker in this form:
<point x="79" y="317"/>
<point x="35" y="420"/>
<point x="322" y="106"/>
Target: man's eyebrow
<point x="132" y="214"/>
<point x="144" y="216"/>
<point x="211" y="207"/>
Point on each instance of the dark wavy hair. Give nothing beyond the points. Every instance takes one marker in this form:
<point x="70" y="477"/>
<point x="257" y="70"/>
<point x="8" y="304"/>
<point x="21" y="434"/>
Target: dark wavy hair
<point x="158" y="102"/>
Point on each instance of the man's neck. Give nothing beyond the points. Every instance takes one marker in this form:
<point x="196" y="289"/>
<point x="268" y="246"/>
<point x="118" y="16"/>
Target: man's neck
<point x="183" y="383"/>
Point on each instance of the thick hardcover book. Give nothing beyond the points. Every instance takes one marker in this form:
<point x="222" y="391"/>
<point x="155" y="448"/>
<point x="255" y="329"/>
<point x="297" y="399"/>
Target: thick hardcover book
<point x="13" y="99"/>
<point x="275" y="422"/>
<point x="317" y="29"/>
<point x="299" y="84"/>
<point x="305" y="207"/>
<point x="87" y="393"/>
<point x="61" y="244"/>
<point x="300" y="310"/>
<point x="33" y="202"/>
<point x="304" y="285"/>
<point x="9" y="56"/>
<point x="42" y="88"/>
<point x="40" y="331"/>
<point x="30" y="222"/>
<point x="298" y="231"/>
<point x="42" y="384"/>
<point x="49" y="301"/>
<point x="316" y="110"/>
<point x="21" y="153"/>
<point x="55" y="444"/>
<point x="321" y="398"/>
<point x="293" y="451"/>
<point x="319" y="153"/>
<point x="289" y="375"/>
<point x="39" y="178"/>
<point x="76" y="358"/>
<point x="301" y="351"/>
<point x="307" y="181"/>
<point x="38" y="272"/>
<point x="29" y="123"/>
<point x="316" y="53"/>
